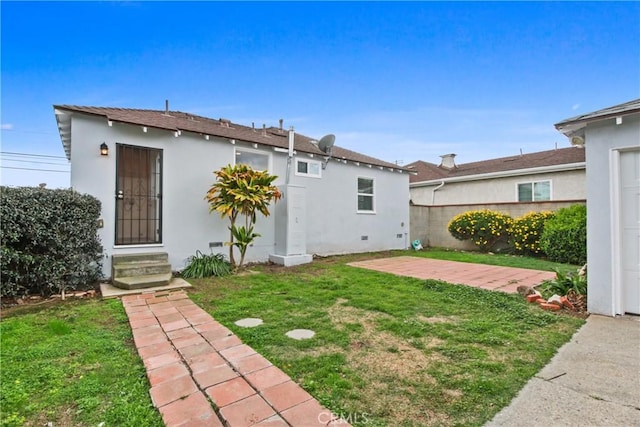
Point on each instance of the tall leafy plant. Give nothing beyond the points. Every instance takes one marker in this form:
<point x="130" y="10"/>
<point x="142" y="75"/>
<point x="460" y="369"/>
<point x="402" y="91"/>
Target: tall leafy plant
<point x="242" y="191"/>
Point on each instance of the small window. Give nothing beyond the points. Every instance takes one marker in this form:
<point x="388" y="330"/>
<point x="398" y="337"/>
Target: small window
<point x="256" y="159"/>
<point x="366" y="195"/>
<point x="534" y="191"/>
<point x="310" y="168"/>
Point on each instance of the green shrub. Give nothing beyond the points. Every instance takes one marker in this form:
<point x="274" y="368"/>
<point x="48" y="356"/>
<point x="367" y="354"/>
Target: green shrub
<point x="201" y="265"/>
<point x="49" y="241"/>
<point x="565" y="282"/>
<point x="564" y="238"/>
<point x="483" y="227"/>
<point x="525" y="232"/>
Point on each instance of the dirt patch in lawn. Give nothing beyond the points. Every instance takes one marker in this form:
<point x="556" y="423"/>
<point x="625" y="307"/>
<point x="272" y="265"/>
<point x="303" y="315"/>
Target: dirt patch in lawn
<point x="62" y="417"/>
<point x="436" y="319"/>
<point x="391" y="367"/>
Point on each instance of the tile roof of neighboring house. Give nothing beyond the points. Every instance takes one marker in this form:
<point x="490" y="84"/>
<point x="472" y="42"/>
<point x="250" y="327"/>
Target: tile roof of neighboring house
<point x="561" y="156"/>
<point x="185" y="122"/>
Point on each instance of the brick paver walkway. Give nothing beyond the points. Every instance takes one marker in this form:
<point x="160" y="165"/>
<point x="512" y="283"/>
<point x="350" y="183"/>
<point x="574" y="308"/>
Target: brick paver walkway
<point x="201" y="374"/>
<point x="492" y="277"/>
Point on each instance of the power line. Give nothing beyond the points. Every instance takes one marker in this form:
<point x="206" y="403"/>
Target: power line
<point x="29" y="131"/>
<point x="31" y="155"/>
<point x="33" y="161"/>
<point x="30" y="169"/>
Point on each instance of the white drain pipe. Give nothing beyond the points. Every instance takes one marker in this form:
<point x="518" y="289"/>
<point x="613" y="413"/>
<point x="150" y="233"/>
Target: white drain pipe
<point x="433" y="193"/>
<point x="290" y="154"/>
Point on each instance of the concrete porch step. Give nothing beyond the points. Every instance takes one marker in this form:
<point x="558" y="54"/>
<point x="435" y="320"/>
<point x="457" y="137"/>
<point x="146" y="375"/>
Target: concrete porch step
<point x="140" y="268"/>
<point x="139" y="257"/>
<point x="141" y="282"/>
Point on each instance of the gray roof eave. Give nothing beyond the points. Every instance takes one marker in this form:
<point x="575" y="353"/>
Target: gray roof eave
<point x="574" y="125"/>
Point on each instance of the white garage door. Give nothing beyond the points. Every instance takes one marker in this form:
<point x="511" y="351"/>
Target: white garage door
<point x="630" y="228"/>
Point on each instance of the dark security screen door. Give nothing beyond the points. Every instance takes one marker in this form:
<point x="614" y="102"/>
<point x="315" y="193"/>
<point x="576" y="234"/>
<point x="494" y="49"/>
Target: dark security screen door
<point x="138" y="195"/>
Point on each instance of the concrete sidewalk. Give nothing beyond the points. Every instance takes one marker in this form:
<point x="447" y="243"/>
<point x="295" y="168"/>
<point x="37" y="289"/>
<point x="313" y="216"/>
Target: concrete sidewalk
<point x="593" y="380"/>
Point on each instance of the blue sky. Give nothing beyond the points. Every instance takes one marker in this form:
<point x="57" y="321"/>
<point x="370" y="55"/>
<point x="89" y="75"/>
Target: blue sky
<point x="397" y="81"/>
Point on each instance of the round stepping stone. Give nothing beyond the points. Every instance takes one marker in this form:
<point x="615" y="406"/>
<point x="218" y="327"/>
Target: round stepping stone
<point x="249" y="322"/>
<point x="301" y="334"/>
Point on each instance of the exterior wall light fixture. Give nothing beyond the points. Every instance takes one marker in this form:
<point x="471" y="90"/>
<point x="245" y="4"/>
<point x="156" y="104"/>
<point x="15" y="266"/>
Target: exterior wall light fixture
<point x="104" y="149"/>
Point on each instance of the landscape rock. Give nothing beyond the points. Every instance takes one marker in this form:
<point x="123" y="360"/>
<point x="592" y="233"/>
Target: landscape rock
<point x="533" y="298"/>
<point x="555" y="299"/>
<point x="525" y="290"/>
<point x="583" y="271"/>
<point x="550" y="307"/>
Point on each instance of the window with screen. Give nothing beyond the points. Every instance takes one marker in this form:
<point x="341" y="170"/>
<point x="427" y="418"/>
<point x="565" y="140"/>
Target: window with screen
<point x="534" y="191"/>
<point x="258" y="160"/>
<point x="366" y="195"/>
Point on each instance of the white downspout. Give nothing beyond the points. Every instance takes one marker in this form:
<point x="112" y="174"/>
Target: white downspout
<point x="433" y="194"/>
<point x="290" y="154"/>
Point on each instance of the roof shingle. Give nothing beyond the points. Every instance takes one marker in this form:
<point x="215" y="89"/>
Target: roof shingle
<point x="185" y="122"/>
<point x="429" y="171"/>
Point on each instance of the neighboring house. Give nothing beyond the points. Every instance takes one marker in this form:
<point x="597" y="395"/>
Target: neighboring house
<point x="160" y="164"/>
<point x="516" y="185"/>
<point x="611" y="138"/>
<point x="552" y="175"/>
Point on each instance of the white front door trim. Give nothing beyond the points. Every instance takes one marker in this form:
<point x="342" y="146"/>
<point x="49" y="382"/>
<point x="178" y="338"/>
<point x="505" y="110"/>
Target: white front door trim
<point x="617" y="291"/>
<point x="616" y="241"/>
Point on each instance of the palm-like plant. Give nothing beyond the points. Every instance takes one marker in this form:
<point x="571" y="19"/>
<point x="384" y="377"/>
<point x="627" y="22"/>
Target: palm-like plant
<point x="241" y="190"/>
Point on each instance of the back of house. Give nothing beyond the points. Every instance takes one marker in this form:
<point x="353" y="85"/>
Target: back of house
<point x="152" y="168"/>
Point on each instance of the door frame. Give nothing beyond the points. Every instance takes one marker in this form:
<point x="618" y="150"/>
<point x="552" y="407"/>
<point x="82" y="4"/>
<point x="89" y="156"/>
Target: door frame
<point x="159" y="196"/>
<point x="617" y="288"/>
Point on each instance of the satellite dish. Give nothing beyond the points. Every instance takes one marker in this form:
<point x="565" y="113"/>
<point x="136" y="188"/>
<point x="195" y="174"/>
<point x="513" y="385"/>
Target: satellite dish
<point x="577" y="141"/>
<point x="326" y="142"/>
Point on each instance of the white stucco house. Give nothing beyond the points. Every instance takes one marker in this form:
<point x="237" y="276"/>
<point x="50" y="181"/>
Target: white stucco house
<point x="553" y="175"/>
<point x="611" y="138"/>
<point x="152" y="168"/>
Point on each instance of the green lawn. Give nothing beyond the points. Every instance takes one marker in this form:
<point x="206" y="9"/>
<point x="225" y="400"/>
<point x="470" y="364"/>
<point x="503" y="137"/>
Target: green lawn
<point x="73" y="364"/>
<point x="504" y="260"/>
<point x="391" y="350"/>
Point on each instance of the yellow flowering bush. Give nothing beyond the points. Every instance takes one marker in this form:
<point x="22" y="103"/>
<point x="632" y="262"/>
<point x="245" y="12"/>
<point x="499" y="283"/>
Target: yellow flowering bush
<point x="483" y="227"/>
<point x="525" y="232"/>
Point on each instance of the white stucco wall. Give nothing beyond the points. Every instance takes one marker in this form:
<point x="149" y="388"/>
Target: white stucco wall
<point x="566" y="185"/>
<point x="601" y="141"/>
<point x="188" y="162"/>
<point x="333" y="225"/>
